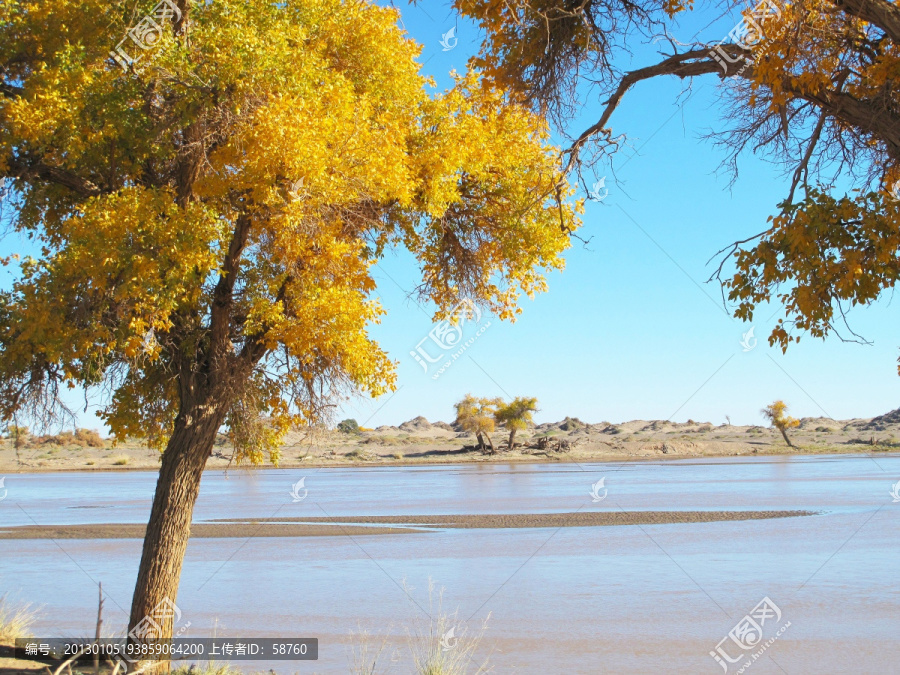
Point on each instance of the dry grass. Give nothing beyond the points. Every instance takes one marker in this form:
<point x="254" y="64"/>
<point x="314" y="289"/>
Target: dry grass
<point x="211" y="668"/>
<point x="442" y="645"/>
<point x="438" y="644"/>
<point x="121" y="460"/>
<point x="365" y="654"/>
<point x="359" y="455"/>
<point x="15" y="621"/>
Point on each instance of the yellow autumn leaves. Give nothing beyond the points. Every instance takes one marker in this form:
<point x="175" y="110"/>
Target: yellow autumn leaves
<point x="233" y="197"/>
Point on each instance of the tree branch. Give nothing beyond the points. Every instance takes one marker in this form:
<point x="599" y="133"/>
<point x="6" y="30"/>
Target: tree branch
<point x="30" y="168"/>
<point x="885" y="15"/>
<point x="689" y="64"/>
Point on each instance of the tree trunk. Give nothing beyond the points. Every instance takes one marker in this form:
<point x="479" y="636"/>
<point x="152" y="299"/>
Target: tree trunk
<point x="512" y="438"/>
<point x="786" y="439"/>
<point x="480" y="441"/>
<point x="169" y="528"/>
<point x="491" y="443"/>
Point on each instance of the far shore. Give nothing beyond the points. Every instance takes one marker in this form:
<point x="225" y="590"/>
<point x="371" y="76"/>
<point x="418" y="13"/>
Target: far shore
<point x="420" y="443"/>
<point x="499" y="458"/>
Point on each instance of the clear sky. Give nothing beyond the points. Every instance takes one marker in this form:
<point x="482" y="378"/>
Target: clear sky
<point x="630" y="330"/>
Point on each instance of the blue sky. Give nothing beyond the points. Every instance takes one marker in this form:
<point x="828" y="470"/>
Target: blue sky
<point x="630" y="330"/>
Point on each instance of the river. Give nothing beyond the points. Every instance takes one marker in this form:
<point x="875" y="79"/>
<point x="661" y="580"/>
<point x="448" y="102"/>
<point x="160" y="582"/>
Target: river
<point x="624" y="599"/>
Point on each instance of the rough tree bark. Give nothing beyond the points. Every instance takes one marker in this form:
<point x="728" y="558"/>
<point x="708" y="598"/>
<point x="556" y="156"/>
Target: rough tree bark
<point x="170" y="517"/>
<point x="786" y="439"/>
<point x="512" y="438"/>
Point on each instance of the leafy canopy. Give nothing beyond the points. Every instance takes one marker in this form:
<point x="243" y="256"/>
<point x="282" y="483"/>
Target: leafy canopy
<point x="477" y="415"/>
<point x="208" y="225"/>
<point x="517" y="413"/>
<point x="776" y="414"/>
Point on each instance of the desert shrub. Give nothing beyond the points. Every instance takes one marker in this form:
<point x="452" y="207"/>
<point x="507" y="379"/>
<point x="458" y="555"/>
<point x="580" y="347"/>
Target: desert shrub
<point x="121" y="460"/>
<point x="83" y="437"/>
<point x="89" y="437"/>
<point x="19" y="435"/>
<point x="348" y="426"/>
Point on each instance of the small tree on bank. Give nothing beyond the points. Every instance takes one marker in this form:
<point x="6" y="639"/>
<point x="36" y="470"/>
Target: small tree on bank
<point x="516" y="415"/>
<point x="476" y="415"/>
<point x="348" y="426"/>
<point x="775" y="413"/>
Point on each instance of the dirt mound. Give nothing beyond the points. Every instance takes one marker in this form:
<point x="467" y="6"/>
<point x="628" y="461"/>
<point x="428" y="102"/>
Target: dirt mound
<point x="417" y="425"/>
<point x="892" y="417"/>
<point x="444" y="426"/>
<point x="881" y="422"/>
<point x="569" y="424"/>
<point x="656" y="425"/>
<point x="665" y="447"/>
<point x="816" y="422"/>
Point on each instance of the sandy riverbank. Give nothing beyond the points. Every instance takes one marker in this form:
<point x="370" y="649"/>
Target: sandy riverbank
<point x="420" y="442"/>
<point x="369" y="525"/>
